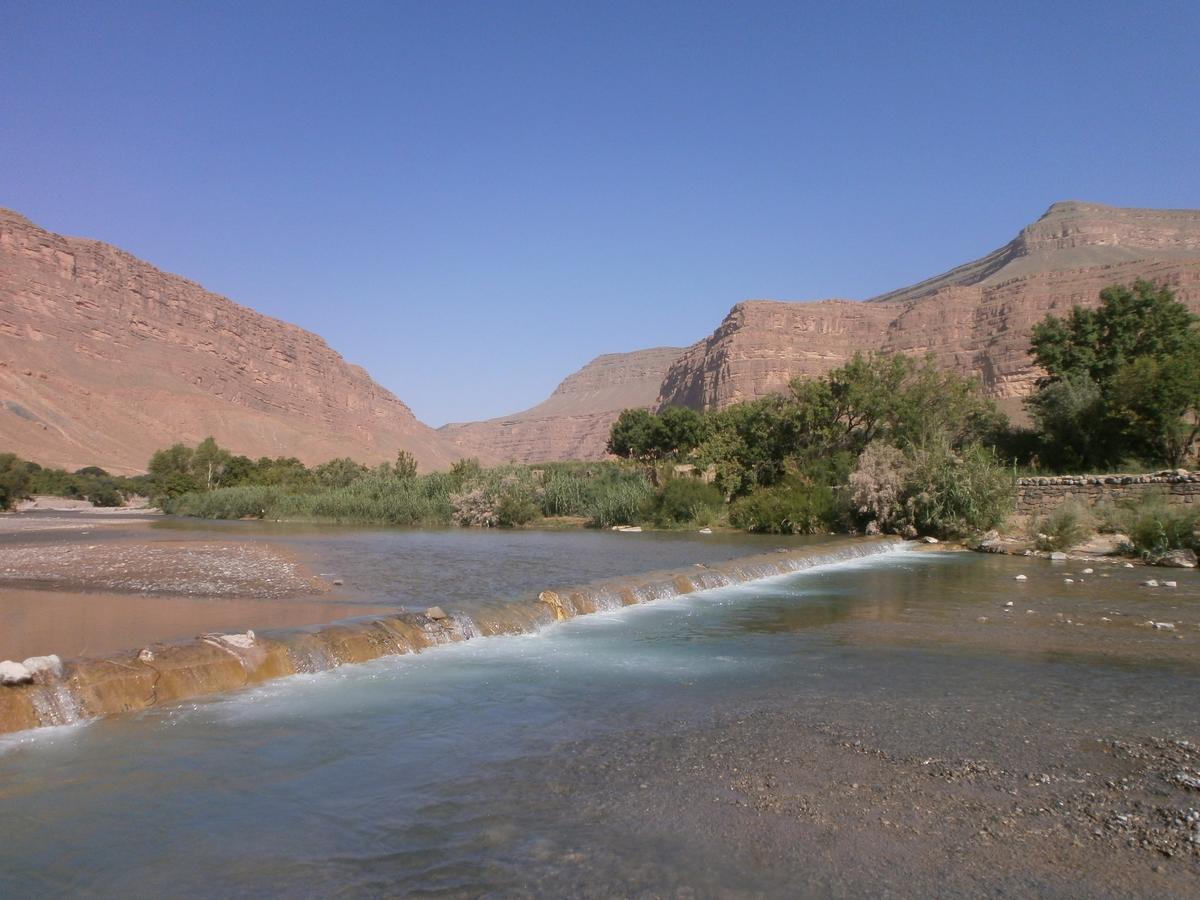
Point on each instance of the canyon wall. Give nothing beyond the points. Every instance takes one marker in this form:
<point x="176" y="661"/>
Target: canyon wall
<point x="975" y="319"/>
<point x="104" y="359"/>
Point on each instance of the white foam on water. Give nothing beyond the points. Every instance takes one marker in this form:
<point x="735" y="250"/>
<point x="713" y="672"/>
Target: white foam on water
<point x="47" y="736"/>
<point x="556" y="644"/>
<point x="367" y="685"/>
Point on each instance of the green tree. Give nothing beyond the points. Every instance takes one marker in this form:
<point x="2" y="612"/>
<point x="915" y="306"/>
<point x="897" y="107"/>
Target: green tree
<point x="14" y="479"/>
<point x="171" y="472"/>
<point x="406" y="465"/>
<point x="895" y="398"/>
<point x="680" y="431"/>
<point x="637" y="434"/>
<point x="209" y="462"/>
<point x="1072" y="419"/>
<point x="1118" y="378"/>
<point x="1159" y="400"/>
<point x="1131" y="322"/>
<point x="338" y="473"/>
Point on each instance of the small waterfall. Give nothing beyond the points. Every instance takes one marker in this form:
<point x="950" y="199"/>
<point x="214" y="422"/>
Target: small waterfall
<point x="56" y="704"/>
<point x="310" y="656"/>
<point x="214" y="663"/>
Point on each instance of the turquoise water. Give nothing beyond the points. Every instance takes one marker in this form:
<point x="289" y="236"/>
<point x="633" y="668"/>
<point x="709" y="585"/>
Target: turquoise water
<point x="477" y="769"/>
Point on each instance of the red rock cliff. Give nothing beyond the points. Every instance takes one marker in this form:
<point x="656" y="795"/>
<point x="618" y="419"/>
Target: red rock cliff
<point x="975" y="319"/>
<point x="104" y="358"/>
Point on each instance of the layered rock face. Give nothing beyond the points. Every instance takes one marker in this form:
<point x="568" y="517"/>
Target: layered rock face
<point x="975" y="319"/>
<point x="104" y="359"/>
<point x="574" y="421"/>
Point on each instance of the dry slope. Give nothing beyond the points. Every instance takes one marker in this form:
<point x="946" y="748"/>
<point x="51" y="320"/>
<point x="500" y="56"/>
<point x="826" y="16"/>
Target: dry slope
<point x="104" y="358"/>
<point x="574" y="421"/>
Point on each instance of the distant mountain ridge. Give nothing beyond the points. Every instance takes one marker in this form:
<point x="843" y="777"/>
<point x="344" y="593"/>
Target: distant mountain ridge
<point x="574" y="421"/>
<point x="975" y="318"/>
<point x="104" y="358"/>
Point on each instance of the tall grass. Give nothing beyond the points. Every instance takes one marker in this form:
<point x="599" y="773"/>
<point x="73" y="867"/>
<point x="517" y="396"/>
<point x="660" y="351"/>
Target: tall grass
<point x="370" y="499"/>
<point x="618" y="502"/>
<point x="603" y="493"/>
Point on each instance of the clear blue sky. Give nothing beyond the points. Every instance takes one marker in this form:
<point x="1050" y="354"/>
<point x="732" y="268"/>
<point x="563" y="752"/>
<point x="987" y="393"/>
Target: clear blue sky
<point x="473" y="199"/>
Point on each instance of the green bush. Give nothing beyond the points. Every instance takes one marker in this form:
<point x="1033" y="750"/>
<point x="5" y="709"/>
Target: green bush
<point x="956" y="493"/>
<point x="1066" y="526"/>
<point x="14" y="479"/>
<point x="1155" y="528"/>
<point x="516" y="509"/>
<point x="684" y="501"/>
<point x="790" y="507"/>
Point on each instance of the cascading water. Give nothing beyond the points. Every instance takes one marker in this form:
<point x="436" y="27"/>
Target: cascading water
<point x="88" y="688"/>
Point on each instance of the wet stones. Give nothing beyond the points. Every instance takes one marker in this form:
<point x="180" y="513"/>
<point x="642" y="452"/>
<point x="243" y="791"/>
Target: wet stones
<point x="551" y="599"/>
<point x="1177" y="559"/>
<point x="436" y="613"/>
<point x="36" y="668"/>
<point x="13" y="673"/>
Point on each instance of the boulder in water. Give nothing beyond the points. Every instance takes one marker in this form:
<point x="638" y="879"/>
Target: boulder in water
<point x="13" y="673"/>
<point x="436" y="613"/>
<point x="42" y="667"/>
<point x="1177" y="559"/>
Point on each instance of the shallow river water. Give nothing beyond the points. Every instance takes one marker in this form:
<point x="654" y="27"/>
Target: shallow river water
<point x="886" y="726"/>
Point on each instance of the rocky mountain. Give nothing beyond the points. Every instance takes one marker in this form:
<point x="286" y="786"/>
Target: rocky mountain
<point x="104" y="358"/>
<point x="574" y="421"/>
<point x="974" y="319"/>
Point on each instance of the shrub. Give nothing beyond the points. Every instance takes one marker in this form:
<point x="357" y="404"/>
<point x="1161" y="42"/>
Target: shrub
<point x="954" y="493"/>
<point x="1066" y="526"/>
<point x="104" y="494"/>
<point x="515" y="509"/>
<point x="790" y="507"/>
<point x="14" y="479"/>
<point x="878" y="486"/>
<point x="684" y="500"/>
<point x="1155" y="528"/>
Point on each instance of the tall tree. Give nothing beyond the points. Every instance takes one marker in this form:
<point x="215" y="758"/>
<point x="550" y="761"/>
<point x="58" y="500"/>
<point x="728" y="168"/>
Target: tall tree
<point x="1117" y="380"/>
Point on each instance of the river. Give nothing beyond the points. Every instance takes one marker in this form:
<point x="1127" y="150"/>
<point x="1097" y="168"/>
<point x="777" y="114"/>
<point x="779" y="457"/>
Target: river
<point x="881" y="726"/>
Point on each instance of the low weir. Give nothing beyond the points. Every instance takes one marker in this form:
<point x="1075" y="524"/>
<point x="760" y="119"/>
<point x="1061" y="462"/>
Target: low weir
<point x="164" y="673"/>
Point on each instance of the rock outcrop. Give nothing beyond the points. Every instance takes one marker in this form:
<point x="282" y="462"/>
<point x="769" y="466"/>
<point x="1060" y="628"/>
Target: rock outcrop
<point x="574" y="421"/>
<point x="975" y="319"/>
<point x="104" y="359"/>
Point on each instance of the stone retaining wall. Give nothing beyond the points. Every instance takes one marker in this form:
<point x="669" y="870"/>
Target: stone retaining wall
<point x="1037" y="496"/>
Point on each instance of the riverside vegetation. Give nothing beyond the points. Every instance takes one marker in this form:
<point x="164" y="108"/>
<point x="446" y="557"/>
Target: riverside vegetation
<point x="884" y="443"/>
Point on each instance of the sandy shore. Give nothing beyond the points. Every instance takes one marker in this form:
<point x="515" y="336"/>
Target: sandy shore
<point x="184" y="568"/>
<point x="87" y="583"/>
